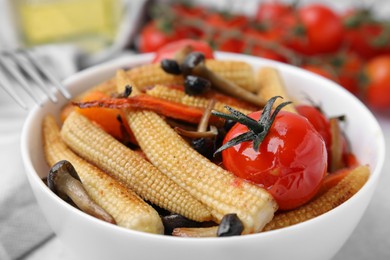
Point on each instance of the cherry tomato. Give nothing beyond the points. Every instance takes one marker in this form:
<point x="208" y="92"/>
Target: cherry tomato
<point x="364" y="35"/>
<point x="319" y="121"/>
<point x="264" y="44"/>
<point x="348" y="67"/>
<point x="291" y="161"/>
<point x="168" y="51"/>
<point x="318" y="29"/>
<point x="152" y="37"/>
<point x="223" y="25"/>
<point x="189" y="11"/>
<point x="271" y="12"/>
<point x="377" y="88"/>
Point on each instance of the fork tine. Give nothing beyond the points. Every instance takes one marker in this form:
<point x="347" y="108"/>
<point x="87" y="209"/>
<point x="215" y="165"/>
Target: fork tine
<point x="6" y="85"/>
<point x="11" y="67"/>
<point x="47" y="74"/>
<point x="29" y="68"/>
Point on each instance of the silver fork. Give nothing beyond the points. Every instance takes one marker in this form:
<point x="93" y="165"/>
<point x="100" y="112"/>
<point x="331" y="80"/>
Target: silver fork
<point x="23" y="68"/>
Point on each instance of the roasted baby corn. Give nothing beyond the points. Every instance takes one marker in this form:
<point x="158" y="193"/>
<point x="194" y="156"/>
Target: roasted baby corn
<point x="125" y="165"/>
<point x="337" y="195"/>
<point x="334" y="197"/>
<point x="238" y="72"/>
<point x="270" y="85"/>
<point x="127" y="208"/>
<point x="216" y="188"/>
<point x="178" y="96"/>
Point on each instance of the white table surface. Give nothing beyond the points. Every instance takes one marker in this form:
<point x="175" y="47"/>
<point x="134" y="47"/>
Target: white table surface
<point x="370" y="240"/>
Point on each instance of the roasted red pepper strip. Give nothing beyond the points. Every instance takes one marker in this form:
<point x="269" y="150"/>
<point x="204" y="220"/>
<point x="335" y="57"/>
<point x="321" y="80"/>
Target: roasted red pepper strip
<point x="161" y="106"/>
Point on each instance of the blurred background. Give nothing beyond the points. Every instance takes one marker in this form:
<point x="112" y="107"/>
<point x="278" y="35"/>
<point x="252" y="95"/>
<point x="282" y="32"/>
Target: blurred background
<point x="338" y="43"/>
<point x="346" y="41"/>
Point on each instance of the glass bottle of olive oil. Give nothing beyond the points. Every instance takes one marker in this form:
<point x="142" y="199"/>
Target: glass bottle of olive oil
<point x="91" y="24"/>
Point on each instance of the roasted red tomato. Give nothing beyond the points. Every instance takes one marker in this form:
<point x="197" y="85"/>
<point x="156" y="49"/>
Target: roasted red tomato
<point x="290" y="162"/>
<point x="168" y="51"/>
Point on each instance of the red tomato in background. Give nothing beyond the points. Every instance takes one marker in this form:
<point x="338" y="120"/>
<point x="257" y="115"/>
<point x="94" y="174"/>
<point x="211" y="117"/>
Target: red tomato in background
<point x="271" y="12"/>
<point x="222" y="37"/>
<point x="377" y="88"/>
<point x="189" y="11"/>
<point x="168" y="51"/>
<point x="291" y="162"/>
<point x="317" y="29"/>
<point x="348" y="67"/>
<point x="264" y="44"/>
<point x="364" y="35"/>
<point x="152" y="37"/>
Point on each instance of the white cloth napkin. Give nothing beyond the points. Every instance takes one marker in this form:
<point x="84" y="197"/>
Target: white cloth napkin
<point x="22" y="225"/>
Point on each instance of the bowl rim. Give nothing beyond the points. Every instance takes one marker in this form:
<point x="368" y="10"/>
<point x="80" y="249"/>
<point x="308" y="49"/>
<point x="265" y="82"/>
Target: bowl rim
<point x="136" y="59"/>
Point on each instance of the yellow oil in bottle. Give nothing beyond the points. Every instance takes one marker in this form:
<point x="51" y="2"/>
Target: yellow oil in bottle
<point x="91" y="24"/>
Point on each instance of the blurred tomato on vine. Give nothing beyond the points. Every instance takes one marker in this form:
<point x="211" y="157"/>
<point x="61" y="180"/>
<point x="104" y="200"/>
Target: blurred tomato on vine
<point x="377" y="82"/>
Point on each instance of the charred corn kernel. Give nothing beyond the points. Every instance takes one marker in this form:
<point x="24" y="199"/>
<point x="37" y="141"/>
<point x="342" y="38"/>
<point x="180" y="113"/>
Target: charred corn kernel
<point x="239" y="72"/>
<point x="150" y="74"/>
<point x="335" y="196"/>
<point x="270" y="85"/>
<point x="178" y="96"/>
<point x="125" y="165"/>
<point x="218" y="189"/>
<point x="127" y="208"/>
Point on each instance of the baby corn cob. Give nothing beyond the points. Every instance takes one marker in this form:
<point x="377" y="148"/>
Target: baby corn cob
<point x="129" y="168"/>
<point x="178" y="96"/>
<point x="238" y="72"/>
<point x="150" y="74"/>
<point x="270" y="85"/>
<point x="127" y="208"/>
<point x="340" y="193"/>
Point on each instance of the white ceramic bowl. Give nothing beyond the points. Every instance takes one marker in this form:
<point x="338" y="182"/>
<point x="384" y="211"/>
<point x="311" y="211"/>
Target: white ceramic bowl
<point x="319" y="238"/>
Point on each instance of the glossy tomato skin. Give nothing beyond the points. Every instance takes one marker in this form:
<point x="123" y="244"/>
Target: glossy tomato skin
<point x="291" y="162"/>
<point x="321" y="30"/>
<point x="168" y="51"/>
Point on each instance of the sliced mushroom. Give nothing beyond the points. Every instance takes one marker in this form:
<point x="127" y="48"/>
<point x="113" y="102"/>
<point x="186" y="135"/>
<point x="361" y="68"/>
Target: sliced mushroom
<point x="194" y="64"/>
<point x="65" y="182"/>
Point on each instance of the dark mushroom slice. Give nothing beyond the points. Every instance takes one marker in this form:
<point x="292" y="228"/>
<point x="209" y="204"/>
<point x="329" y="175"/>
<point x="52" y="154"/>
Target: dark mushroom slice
<point x="65" y="182"/>
<point x="337" y="145"/>
<point x="171" y="66"/>
<point x="230" y="225"/>
<point x="194" y="85"/>
<point x="174" y="221"/>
